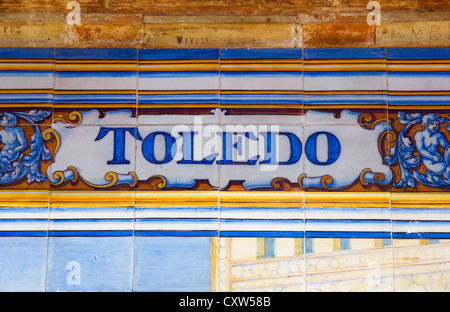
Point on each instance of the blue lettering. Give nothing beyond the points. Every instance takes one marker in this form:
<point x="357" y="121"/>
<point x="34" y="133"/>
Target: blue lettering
<point x="270" y="151"/>
<point x="334" y="149"/>
<point x="227" y="146"/>
<point x="296" y="148"/>
<point x="148" y="148"/>
<point x="119" y="143"/>
<point x="188" y="151"/>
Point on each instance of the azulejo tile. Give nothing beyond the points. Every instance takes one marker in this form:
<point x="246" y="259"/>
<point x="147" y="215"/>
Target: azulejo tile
<point x="420" y="215"/>
<point x="419" y="150"/>
<point x="89" y="264"/>
<point x="260" y="156"/>
<point x="334" y="162"/>
<point x="25" y="155"/>
<point x="101" y="175"/>
<point x="427" y="273"/>
<point x="26" y="81"/>
<point x="102" y="79"/>
<point x="177" y="155"/>
<point x="418" y="104"/>
<point x="177" y="81"/>
<point x="224" y="167"/>
<point x="22" y="264"/>
<point x="347" y="219"/>
<point x="352" y="78"/>
<point x="418" y="80"/>
<point x="262" y="219"/>
<point x="345" y="264"/>
<point x="260" y="264"/>
<point x="255" y="81"/>
<point x="172" y="264"/>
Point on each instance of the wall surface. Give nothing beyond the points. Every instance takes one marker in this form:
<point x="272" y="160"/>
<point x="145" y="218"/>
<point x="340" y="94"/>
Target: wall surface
<point x="203" y="146"/>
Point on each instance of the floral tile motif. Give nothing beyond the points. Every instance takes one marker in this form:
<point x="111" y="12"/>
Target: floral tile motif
<point x="26" y="81"/>
<point x="102" y="79"/>
<point x="178" y="81"/>
<point x="254" y="81"/>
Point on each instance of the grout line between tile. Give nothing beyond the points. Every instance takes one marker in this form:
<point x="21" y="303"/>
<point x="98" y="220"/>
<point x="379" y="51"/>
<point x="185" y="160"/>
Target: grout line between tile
<point x="135" y="170"/>
<point x="50" y="188"/>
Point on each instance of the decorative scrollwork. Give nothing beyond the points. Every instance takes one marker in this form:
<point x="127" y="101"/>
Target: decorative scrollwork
<point x="18" y="157"/>
<point x="422" y="152"/>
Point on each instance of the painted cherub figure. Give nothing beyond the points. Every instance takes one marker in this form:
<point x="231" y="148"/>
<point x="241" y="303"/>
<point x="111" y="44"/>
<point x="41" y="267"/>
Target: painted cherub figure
<point x="427" y="143"/>
<point x="13" y="140"/>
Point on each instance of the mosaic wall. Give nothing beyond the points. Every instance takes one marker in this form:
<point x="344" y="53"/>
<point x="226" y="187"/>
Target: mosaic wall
<point x="183" y="169"/>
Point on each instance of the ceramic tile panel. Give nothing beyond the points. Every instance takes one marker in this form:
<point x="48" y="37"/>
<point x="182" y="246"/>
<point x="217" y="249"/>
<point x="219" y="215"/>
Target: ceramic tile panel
<point x="26" y="81"/>
<point x="255" y="81"/>
<point x="178" y="81"/>
<point x="100" y="79"/>
<point x="241" y="170"/>
<point x="345" y="78"/>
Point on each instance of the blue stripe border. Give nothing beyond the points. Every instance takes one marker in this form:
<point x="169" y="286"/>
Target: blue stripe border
<point x="344" y="53"/>
<point x="27" y="53"/>
<point x="236" y="54"/>
<point x="95" y="54"/>
<point x="425" y="53"/>
<point x="179" y="54"/>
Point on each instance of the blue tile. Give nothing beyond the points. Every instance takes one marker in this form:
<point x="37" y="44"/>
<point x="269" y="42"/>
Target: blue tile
<point x="178" y="54"/>
<point x="260" y="54"/>
<point x="20" y="53"/>
<point x="89" y="264"/>
<point x="168" y="264"/>
<point x="344" y="53"/>
<point x="95" y="54"/>
<point x="22" y="264"/>
<point x="434" y="53"/>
